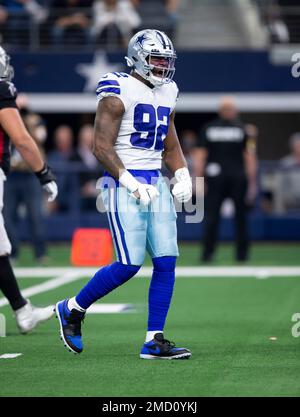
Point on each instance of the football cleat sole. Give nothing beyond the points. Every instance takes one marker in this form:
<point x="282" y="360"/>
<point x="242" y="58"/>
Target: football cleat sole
<point x="186" y="355"/>
<point x="61" y="333"/>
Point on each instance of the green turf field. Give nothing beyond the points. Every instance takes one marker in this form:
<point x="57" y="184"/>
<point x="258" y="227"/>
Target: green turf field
<point x="261" y="254"/>
<point x="226" y="322"/>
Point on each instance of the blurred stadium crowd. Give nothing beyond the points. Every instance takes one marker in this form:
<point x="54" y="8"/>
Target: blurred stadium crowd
<point x="110" y="23"/>
<point x="82" y="22"/>
<point x="282" y="19"/>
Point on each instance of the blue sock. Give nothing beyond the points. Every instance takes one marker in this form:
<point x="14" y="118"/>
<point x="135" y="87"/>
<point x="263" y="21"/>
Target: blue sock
<point x="161" y="291"/>
<point x="104" y="281"/>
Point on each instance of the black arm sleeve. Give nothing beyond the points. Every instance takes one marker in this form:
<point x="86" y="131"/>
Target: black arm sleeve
<point x="8" y="95"/>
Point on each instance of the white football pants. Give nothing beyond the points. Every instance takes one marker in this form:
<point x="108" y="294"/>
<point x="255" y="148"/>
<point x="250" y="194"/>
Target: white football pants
<point x="5" y="246"/>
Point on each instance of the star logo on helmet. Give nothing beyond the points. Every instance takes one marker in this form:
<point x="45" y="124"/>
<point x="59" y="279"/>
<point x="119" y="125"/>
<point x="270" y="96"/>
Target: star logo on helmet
<point x="140" y="40"/>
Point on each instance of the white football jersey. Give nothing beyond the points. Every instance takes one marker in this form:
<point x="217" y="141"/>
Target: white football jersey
<point x="146" y="119"/>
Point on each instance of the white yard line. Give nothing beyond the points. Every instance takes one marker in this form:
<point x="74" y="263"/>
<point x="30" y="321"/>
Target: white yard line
<point x="44" y="272"/>
<point x="108" y="308"/>
<point x="66" y="275"/>
<point x="10" y="355"/>
<point x="181" y="271"/>
<point x="51" y="284"/>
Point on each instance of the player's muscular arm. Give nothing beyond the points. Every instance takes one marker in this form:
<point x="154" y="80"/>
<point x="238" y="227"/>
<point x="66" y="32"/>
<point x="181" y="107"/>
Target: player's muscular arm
<point x="11" y="122"/>
<point x="173" y="155"/>
<point x="107" y="124"/>
<point x="13" y="125"/>
<point x="176" y="163"/>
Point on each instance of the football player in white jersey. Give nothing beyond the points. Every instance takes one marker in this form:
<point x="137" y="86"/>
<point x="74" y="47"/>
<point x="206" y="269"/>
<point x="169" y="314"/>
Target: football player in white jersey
<point x="134" y="131"/>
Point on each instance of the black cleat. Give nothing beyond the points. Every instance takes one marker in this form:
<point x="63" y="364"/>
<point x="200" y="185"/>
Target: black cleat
<point x="70" y="326"/>
<point x="160" y="348"/>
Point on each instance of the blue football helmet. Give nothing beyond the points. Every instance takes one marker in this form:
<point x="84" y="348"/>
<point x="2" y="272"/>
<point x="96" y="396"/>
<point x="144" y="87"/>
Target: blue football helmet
<point x="152" y="55"/>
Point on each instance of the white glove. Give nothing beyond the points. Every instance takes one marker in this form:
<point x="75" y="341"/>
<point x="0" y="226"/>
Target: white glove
<point x="51" y="190"/>
<point x="147" y="192"/>
<point x="182" y="190"/>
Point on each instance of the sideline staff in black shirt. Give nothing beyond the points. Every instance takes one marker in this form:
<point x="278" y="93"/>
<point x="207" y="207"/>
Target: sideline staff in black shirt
<point x="227" y="160"/>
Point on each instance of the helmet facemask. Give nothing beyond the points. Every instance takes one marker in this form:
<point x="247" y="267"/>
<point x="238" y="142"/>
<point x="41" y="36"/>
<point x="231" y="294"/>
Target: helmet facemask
<point x="159" y="68"/>
<point x="6" y="70"/>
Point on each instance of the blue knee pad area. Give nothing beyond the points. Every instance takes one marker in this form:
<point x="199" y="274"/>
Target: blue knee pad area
<point x="104" y="281"/>
<point x="164" y="263"/>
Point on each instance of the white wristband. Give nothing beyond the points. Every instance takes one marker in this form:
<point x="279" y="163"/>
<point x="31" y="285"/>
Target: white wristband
<point x="182" y="174"/>
<point x="128" y="181"/>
